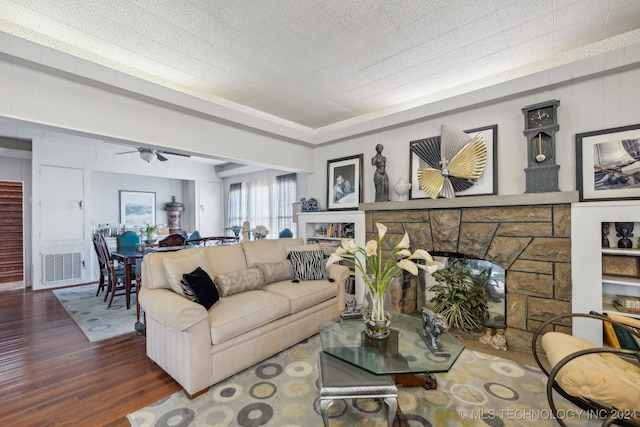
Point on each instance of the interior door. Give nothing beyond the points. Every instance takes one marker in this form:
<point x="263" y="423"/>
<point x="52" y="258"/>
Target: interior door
<point x="61" y="199"/>
<point x="210" y="209"/>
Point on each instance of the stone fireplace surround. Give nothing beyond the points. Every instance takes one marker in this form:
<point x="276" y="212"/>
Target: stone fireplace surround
<point x="528" y="235"/>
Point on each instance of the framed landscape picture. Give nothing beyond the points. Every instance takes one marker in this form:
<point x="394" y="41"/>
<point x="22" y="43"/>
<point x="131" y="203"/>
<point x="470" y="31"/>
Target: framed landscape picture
<point x="486" y="184"/>
<point x="608" y="164"/>
<point x="344" y="183"/>
<point x="137" y="208"/>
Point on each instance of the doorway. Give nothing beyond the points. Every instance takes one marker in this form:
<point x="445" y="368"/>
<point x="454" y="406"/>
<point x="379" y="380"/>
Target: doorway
<point x="11" y="235"/>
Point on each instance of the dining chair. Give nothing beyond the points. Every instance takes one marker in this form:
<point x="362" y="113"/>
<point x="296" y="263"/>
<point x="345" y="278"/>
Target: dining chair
<point x="127" y="239"/>
<point x="101" y="263"/>
<point x="175" y="239"/>
<point x="116" y="285"/>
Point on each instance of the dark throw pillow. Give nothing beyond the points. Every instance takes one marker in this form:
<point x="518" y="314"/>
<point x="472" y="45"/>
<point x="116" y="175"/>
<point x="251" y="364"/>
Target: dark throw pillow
<point x="200" y="285"/>
<point x="308" y="265"/>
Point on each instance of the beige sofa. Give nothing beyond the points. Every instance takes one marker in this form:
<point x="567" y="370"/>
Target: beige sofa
<point x="200" y="347"/>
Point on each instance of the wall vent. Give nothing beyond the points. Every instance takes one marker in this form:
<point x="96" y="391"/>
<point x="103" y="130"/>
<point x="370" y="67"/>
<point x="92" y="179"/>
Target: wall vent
<point x="61" y="267"/>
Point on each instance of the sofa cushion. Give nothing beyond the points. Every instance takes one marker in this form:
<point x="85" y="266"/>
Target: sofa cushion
<point x="268" y="250"/>
<point x="175" y="267"/>
<point x="603" y="377"/>
<point x="304" y="294"/>
<point x="199" y="286"/>
<point x="275" y="271"/>
<point x="308" y="265"/>
<point x="225" y="259"/>
<point x="239" y="281"/>
<point x="243" y="312"/>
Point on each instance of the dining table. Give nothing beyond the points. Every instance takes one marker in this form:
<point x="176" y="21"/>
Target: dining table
<point x="129" y="256"/>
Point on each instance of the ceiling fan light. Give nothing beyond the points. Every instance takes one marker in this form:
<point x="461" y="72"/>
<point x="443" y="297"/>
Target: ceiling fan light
<point x="146" y="155"/>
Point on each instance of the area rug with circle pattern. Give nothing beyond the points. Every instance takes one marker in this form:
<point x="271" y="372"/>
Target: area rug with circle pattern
<point x="92" y="314"/>
<point x="282" y="391"/>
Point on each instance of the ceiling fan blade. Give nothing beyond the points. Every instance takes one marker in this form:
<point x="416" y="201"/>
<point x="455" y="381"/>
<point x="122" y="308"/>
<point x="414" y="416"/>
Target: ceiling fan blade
<point x="172" y="153"/>
<point x="128" y="152"/>
<point x="161" y="157"/>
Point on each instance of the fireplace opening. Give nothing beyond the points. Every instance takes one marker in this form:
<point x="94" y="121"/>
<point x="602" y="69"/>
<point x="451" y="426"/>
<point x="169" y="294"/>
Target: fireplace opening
<point x="495" y="288"/>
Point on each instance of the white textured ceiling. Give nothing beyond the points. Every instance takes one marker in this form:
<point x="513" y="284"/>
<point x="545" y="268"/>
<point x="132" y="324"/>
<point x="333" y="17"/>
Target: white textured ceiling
<point x="325" y="63"/>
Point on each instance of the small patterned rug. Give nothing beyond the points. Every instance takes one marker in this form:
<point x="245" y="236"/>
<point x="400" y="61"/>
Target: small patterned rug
<point x="91" y="314"/>
<point x="283" y="392"/>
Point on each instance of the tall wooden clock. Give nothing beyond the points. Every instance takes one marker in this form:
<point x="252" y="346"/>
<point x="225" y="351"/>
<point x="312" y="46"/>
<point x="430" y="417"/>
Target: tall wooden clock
<point x="540" y="127"/>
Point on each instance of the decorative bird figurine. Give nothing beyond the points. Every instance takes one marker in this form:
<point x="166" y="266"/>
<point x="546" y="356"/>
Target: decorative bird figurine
<point x="456" y="162"/>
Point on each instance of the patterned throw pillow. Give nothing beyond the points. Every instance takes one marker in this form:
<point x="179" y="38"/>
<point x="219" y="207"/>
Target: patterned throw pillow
<point x="275" y="271"/>
<point x="239" y="281"/>
<point x="308" y="265"/>
<point x="200" y="287"/>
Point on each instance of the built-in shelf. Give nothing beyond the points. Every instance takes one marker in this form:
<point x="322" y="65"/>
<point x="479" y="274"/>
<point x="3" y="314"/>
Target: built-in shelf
<point x="598" y="281"/>
<point x="310" y="222"/>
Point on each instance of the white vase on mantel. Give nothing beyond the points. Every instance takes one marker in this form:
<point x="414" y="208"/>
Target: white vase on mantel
<point x="401" y="188"/>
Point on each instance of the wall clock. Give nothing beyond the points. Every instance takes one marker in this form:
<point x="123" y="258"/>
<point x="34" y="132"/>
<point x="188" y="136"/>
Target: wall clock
<point x="540" y="127"/>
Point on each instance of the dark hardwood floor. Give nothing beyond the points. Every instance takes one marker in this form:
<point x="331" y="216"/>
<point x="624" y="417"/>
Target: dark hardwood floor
<point x="51" y="375"/>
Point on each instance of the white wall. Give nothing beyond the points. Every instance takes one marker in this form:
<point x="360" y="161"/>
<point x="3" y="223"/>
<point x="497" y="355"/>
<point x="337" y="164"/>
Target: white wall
<point x="118" y="107"/>
<point x="105" y="191"/>
<point x="104" y="175"/>
<point x="601" y="102"/>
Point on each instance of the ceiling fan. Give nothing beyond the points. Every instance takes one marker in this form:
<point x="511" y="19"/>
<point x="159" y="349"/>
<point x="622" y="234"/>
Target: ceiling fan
<point x="147" y="154"/>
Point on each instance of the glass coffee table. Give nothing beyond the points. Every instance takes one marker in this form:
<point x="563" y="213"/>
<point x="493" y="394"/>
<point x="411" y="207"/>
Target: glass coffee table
<point x="402" y="352"/>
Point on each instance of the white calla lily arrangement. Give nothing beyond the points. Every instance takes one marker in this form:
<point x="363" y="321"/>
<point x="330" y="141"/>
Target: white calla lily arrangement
<point x="382" y="271"/>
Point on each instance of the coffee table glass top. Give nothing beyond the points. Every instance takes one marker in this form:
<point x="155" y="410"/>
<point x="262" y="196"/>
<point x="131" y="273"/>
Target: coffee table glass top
<point x="402" y="352"/>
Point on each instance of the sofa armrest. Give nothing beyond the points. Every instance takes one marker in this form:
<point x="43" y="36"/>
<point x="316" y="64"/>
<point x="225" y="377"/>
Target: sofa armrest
<point x="340" y="274"/>
<point x="173" y="311"/>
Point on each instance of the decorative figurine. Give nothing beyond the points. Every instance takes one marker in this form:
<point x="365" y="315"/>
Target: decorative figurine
<point x="487" y="338"/>
<point x="433" y="325"/>
<point x="310" y="205"/>
<point x="499" y="341"/>
<point x="380" y="178"/>
<point x="353" y="311"/>
<point x="246" y="228"/>
<point x="401" y="188"/>
<point x="605" y="235"/>
<point x="624" y="230"/>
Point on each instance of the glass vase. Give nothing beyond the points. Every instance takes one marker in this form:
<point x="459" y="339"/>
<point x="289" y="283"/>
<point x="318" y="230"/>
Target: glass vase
<point x="377" y="319"/>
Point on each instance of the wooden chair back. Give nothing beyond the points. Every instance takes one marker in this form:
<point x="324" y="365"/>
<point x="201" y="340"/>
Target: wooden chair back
<point x="175" y="239"/>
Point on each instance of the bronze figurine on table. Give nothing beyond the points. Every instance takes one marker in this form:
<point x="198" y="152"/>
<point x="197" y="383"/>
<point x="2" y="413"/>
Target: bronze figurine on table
<point x="433" y="325"/>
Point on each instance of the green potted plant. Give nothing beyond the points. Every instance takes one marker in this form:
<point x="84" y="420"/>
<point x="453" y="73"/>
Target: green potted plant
<point x="150" y="234"/>
<point x="459" y="296"/>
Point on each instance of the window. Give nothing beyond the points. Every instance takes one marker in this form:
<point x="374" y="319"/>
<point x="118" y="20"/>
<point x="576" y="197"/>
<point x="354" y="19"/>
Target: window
<point x="286" y="195"/>
<point x="265" y="202"/>
<point x="236" y="210"/>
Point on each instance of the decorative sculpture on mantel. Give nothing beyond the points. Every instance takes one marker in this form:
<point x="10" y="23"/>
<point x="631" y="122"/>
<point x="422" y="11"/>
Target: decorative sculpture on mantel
<point x="310" y="205"/>
<point x="433" y="325"/>
<point x="380" y="177"/>
<point x="456" y="161"/>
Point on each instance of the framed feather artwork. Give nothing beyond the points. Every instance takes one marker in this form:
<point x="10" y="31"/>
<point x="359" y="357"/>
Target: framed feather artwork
<point x="457" y="163"/>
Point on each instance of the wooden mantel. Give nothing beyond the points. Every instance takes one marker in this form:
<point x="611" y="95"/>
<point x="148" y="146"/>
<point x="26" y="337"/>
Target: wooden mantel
<point x="555" y="198"/>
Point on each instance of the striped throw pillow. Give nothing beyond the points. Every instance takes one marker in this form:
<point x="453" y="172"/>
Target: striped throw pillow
<point x="308" y="265"/>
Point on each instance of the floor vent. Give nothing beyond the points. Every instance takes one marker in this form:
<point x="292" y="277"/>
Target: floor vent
<point x="61" y="267"/>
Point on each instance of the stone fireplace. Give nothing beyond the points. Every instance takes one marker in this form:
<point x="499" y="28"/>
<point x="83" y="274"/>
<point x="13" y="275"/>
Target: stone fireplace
<point x="528" y="235"/>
